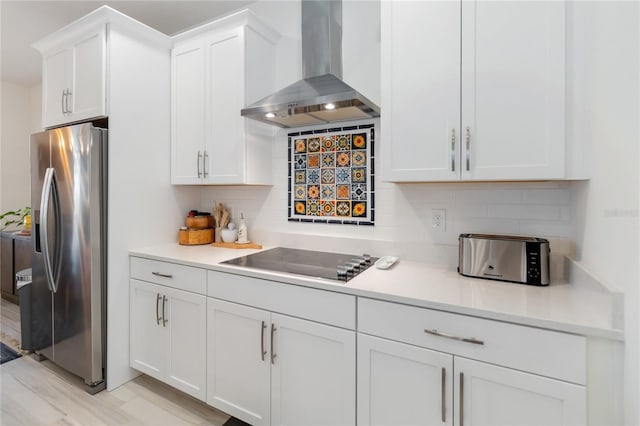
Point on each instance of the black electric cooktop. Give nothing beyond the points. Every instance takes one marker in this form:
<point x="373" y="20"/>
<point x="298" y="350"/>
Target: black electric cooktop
<point x="333" y="266"/>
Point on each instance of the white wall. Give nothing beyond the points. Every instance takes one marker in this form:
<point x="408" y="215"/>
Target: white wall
<point x="19" y="117"/>
<point x="604" y="112"/>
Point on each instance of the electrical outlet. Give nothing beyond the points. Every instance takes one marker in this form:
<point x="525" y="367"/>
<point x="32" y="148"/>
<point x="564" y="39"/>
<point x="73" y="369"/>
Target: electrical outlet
<point x="439" y="219"/>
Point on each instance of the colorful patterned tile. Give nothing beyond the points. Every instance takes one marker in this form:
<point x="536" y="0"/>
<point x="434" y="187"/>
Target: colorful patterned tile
<point x="300" y="192"/>
<point x="359" y="141"/>
<point x="301" y="207"/>
<point x="313" y="208"/>
<point x="343" y="175"/>
<point x="300" y="161"/>
<point x="313" y="176"/>
<point x="359" y="209"/>
<point x="359" y="191"/>
<point x="343" y="159"/>
<point x="328" y="192"/>
<point x="329" y="175"/>
<point x="343" y="208"/>
<point x="343" y="192"/>
<point x="329" y="159"/>
<point x="313" y="145"/>
<point x="313" y="192"/>
<point x="343" y="143"/>
<point x="328" y="144"/>
<point x="358" y="158"/>
<point x="331" y="171"/>
<point x="300" y="146"/>
<point x="328" y="207"/>
<point x="359" y="175"/>
<point x="301" y="176"/>
<point x="313" y="161"/>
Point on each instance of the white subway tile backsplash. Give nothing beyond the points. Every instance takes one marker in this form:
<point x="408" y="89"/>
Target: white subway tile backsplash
<point x="480" y="196"/>
<point x="403" y="214"/>
<point x="541" y="212"/>
<point x="505" y="210"/>
<point x="545" y="228"/>
<point x="546" y="196"/>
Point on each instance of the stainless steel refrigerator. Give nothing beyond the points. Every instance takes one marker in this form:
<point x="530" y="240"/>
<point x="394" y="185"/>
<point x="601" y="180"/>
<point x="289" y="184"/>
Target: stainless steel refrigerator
<point x="69" y="205"/>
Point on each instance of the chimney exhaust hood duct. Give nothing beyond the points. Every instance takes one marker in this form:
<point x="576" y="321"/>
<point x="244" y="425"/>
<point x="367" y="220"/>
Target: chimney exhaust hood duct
<point x="321" y="96"/>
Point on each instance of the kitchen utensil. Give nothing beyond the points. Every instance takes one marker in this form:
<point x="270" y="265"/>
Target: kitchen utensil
<point x="199" y="222"/>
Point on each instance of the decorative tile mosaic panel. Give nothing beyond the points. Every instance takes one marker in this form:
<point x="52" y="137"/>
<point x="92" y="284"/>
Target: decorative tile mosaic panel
<point x="331" y="175"/>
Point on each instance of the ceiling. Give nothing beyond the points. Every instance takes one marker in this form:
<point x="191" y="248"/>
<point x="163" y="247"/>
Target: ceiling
<point x="23" y="22"/>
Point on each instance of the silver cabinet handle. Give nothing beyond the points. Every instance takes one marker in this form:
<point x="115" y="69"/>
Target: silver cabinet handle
<point x="159" y="274"/>
<point x="62" y="99"/>
<point x="452" y="337"/>
<point x="164" y="318"/>
<point x="66" y="101"/>
<point x="262" y="351"/>
<point x="273" y="352"/>
<point x="468" y="142"/>
<point x="204" y="164"/>
<point x="158" y="317"/>
<point x="461" y="407"/>
<point x="453" y="149"/>
<point x="198" y="163"/>
<point x="442" y="394"/>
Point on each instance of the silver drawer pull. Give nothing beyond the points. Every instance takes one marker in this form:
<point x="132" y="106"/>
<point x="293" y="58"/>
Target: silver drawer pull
<point x="452" y="337"/>
<point x="160" y="274"/>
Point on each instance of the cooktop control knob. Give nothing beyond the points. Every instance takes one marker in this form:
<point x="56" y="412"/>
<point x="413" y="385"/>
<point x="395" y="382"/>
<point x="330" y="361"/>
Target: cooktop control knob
<point x="342" y="272"/>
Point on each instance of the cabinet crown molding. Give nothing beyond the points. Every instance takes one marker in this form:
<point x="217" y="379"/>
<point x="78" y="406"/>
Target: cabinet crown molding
<point x="234" y="20"/>
<point x="101" y="16"/>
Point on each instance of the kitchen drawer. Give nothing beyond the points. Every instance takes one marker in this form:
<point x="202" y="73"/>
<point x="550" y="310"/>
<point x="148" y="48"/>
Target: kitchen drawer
<point x="169" y="274"/>
<point x="303" y="302"/>
<point x="544" y="352"/>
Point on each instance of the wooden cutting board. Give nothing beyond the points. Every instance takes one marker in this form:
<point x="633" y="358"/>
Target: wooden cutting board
<point x="249" y="245"/>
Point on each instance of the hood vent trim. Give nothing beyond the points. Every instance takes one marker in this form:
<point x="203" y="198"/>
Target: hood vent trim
<point x="304" y="103"/>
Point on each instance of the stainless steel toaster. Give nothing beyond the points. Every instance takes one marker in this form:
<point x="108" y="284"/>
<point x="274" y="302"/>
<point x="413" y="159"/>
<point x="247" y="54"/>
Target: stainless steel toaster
<point x="505" y="258"/>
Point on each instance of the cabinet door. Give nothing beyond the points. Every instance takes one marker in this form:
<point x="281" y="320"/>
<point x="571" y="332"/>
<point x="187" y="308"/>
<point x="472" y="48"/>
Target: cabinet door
<point x="486" y="394"/>
<point x="148" y="337"/>
<point x="400" y="384"/>
<point x="187" y="113"/>
<point x="56" y="80"/>
<point x="238" y="361"/>
<point x="225" y="88"/>
<point x="420" y="90"/>
<point x="313" y="373"/>
<point x="7" y="277"/>
<point x="88" y="92"/>
<point x="185" y="316"/>
<point x="513" y="79"/>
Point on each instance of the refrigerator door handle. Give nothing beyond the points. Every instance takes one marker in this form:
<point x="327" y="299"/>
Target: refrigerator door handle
<point x="50" y="191"/>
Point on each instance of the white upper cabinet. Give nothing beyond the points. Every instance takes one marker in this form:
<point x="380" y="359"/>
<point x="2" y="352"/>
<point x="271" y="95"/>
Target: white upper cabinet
<point x="473" y="91"/>
<point x="187" y="113"/>
<point x="217" y="70"/>
<point x="74" y="79"/>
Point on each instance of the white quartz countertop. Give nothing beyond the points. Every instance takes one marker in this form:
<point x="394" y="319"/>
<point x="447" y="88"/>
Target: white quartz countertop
<point x="560" y="306"/>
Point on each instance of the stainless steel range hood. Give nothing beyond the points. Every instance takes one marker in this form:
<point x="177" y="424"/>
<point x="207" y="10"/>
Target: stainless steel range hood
<point x="321" y="96"/>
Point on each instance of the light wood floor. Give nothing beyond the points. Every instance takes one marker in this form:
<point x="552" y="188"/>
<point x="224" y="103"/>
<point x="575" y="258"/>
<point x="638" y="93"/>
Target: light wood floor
<point x="40" y="393"/>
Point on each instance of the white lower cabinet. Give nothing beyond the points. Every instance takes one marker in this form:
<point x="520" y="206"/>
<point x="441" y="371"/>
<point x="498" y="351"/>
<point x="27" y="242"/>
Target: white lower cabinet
<point x="415" y="367"/>
<point x="400" y="384"/>
<point x="486" y="394"/>
<point x="168" y="332"/>
<point x="267" y="368"/>
<point x="404" y="384"/>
